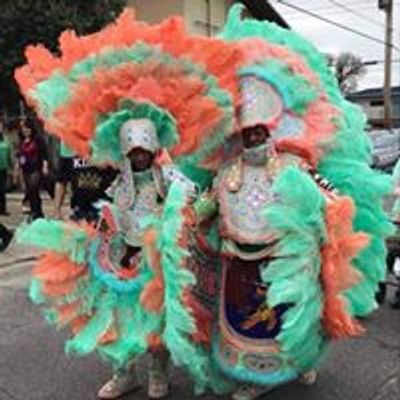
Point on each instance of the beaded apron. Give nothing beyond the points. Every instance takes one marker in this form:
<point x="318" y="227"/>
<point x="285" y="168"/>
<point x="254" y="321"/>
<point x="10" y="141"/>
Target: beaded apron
<point x="245" y="345"/>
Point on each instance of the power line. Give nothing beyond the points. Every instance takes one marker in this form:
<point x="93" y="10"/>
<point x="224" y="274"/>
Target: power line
<point x="326" y="7"/>
<point x="332" y="10"/>
<point x="375" y="62"/>
<point x="354" y="12"/>
<point x="337" y="24"/>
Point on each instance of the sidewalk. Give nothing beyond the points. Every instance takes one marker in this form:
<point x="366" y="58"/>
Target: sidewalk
<point x="14" y="254"/>
<point x="14" y="207"/>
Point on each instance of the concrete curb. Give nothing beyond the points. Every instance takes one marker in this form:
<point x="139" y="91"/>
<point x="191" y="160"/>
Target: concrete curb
<point x="17" y="276"/>
<point x="17" y="254"/>
<point x="17" y="262"/>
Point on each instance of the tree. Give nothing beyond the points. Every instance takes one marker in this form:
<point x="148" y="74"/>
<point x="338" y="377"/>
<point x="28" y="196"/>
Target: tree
<point x="348" y="69"/>
<point x="24" y="22"/>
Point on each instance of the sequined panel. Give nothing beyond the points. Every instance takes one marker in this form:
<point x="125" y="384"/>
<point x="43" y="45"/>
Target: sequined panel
<point x="139" y="133"/>
<point x="261" y="103"/>
<point x="242" y="211"/>
<point x="145" y="204"/>
<point x="289" y="126"/>
<point x="204" y="267"/>
<point x="262" y="363"/>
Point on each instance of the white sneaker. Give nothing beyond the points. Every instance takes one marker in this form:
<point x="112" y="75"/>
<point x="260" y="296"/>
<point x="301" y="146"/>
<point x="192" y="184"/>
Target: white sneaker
<point x="308" y="378"/>
<point x="119" y="385"/>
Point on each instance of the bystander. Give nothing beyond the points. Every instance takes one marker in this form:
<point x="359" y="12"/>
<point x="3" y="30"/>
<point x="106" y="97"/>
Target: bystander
<point x="33" y="161"/>
<point x="88" y="183"/>
<point x="5" y="165"/>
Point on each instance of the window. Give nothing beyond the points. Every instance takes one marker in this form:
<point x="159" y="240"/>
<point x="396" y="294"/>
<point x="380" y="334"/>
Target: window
<point x="376" y="103"/>
<point x="205" y="17"/>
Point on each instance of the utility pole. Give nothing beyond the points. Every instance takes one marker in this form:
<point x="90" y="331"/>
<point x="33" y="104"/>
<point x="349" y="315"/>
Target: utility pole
<point x="387" y="6"/>
<point x="209" y="22"/>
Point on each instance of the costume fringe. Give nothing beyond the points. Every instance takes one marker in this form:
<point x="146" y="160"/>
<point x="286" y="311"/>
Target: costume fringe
<point x="294" y="277"/>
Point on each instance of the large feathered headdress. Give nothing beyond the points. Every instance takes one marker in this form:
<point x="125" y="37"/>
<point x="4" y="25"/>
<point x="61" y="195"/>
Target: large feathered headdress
<point x="186" y="85"/>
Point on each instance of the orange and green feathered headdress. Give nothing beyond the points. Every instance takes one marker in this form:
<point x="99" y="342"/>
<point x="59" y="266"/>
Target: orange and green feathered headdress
<point x="185" y="84"/>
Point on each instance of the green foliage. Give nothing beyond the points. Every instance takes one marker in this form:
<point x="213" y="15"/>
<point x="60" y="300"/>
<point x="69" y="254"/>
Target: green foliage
<point x="348" y="69"/>
<point x="24" y="22"/>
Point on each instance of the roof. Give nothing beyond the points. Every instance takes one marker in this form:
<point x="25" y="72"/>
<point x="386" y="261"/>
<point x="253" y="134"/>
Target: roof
<point x="262" y="10"/>
<point x="373" y="92"/>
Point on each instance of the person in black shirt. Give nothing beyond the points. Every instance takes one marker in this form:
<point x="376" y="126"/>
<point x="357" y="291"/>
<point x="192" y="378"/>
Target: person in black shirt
<point x="88" y="183"/>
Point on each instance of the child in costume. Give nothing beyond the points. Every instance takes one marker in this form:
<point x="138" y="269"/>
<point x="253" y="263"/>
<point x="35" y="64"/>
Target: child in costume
<point x="139" y="192"/>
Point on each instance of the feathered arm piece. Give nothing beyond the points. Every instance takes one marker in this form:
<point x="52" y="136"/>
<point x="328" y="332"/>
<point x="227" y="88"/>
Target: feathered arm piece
<point x="61" y="237"/>
<point x="294" y="275"/>
<point x="184" y="328"/>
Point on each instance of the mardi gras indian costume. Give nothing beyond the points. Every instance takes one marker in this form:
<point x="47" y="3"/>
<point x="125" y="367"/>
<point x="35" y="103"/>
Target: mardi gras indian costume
<point x="251" y="281"/>
<point x="299" y="215"/>
<point x="170" y="95"/>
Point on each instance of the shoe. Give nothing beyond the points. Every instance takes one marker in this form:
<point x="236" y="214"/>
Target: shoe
<point x="250" y="392"/>
<point x="26" y="210"/>
<point x="6" y="240"/>
<point x="118" y="386"/>
<point x="381" y="293"/>
<point x="396" y="302"/>
<point x="37" y="216"/>
<point x="308" y="378"/>
<point x="158" y="385"/>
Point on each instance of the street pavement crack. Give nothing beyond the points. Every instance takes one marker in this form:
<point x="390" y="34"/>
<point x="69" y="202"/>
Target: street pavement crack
<point x="387" y="346"/>
<point x="10" y="396"/>
<point x="393" y="378"/>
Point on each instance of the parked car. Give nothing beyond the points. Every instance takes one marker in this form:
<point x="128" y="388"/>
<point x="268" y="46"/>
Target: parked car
<point x="385" y="148"/>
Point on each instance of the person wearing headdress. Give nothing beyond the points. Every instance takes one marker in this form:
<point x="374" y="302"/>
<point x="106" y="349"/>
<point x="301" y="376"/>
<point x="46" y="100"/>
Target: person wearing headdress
<point x="139" y="192"/>
<point x="117" y="256"/>
<point x="299" y="214"/>
<point x="243" y="190"/>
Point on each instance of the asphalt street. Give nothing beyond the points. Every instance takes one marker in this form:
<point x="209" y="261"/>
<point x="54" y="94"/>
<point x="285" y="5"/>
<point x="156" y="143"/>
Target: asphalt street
<point x="33" y="365"/>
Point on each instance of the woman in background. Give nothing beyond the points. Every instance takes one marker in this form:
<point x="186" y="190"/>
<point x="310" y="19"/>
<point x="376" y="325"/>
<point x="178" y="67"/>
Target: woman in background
<point x="5" y="166"/>
<point x="33" y="162"/>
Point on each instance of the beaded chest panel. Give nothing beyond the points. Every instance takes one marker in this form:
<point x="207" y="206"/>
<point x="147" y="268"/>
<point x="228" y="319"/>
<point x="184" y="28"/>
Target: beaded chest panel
<point x="145" y="204"/>
<point x="242" y="210"/>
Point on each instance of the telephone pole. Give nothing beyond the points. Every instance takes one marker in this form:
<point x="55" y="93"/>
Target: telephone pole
<point x="387" y="6"/>
<point x="209" y="21"/>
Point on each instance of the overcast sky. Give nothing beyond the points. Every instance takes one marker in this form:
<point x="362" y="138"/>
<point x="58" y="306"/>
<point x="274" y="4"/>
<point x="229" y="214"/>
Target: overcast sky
<point x="334" y="40"/>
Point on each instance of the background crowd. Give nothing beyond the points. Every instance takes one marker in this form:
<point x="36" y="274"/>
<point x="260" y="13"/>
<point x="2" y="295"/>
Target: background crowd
<point x="38" y="165"/>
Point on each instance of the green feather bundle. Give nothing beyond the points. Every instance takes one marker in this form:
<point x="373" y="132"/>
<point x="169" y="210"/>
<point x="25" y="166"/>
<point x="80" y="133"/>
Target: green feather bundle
<point x="56" y="236"/>
<point x="294" y="276"/>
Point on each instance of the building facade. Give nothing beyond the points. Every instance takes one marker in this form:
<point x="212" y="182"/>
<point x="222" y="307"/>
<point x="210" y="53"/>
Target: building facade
<point x="371" y="100"/>
<point x="204" y="17"/>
